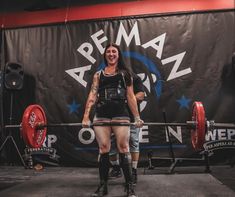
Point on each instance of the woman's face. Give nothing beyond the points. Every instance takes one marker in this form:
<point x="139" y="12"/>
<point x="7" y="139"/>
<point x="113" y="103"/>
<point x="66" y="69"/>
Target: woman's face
<point x="112" y="55"/>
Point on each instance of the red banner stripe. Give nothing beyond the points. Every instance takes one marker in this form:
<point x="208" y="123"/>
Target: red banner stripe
<point x="144" y="7"/>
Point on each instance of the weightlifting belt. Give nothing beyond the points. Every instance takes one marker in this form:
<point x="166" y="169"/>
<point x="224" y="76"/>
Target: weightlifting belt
<point x="114" y="94"/>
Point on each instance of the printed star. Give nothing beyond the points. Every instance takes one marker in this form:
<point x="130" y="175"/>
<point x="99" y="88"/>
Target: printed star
<point x="73" y="107"/>
<point x="184" y="102"/>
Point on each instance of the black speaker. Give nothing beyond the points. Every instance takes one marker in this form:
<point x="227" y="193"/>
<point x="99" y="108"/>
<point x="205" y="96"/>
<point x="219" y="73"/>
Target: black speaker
<point x="13" y="76"/>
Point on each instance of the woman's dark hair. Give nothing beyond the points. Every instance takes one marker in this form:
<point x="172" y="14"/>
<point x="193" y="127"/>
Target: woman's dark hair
<point x="121" y="65"/>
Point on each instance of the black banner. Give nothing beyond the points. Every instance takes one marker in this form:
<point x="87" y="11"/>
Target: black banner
<point x="180" y="58"/>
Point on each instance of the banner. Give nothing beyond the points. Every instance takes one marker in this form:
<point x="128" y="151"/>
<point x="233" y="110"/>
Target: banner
<point x="180" y="59"/>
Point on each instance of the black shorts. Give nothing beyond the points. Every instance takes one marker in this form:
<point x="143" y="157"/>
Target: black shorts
<point x="111" y="110"/>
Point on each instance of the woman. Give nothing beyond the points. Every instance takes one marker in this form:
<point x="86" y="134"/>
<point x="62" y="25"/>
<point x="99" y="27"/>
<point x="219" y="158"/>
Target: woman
<point x="112" y="90"/>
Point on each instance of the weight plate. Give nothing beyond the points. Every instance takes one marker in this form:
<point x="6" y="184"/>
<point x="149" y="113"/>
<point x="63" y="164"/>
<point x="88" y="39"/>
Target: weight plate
<point x="33" y="115"/>
<point x="198" y="133"/>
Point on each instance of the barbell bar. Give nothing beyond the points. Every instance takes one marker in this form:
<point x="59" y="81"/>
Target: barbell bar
<point x="34" y="125"/>
<point x="111" y="124"/>
<point x="189" y="124"/>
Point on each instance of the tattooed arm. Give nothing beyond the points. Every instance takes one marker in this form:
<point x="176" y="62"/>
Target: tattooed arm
<point x="91" y="100"/>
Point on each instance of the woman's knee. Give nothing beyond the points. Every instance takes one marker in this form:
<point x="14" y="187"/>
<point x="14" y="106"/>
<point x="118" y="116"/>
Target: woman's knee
<point x="104" y="148"/>
<point x="123" y="147"/>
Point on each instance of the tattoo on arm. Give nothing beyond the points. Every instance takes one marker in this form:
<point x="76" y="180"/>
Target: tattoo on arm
<point x="94" y="89"/>
<point x="95" y="84"/>
<point x="89" y="105"/>
<point x="92" y="95"/>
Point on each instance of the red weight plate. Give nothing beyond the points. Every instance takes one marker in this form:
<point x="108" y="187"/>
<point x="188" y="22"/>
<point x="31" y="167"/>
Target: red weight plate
<point x="33" y="115"/>
<point x="198" y="133"/>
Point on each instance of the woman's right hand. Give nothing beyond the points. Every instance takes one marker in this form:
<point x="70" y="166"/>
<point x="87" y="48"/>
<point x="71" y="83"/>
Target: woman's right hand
<point x="86" y="123"/>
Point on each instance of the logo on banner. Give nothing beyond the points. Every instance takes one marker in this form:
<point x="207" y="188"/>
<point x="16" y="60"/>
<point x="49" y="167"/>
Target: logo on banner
<point x="154" y="46"/>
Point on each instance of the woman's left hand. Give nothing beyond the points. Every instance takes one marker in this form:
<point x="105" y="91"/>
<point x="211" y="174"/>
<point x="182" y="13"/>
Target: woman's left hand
<point x="138" y="122"/>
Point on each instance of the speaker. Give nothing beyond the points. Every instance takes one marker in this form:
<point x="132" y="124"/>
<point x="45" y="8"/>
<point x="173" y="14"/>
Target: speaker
<point x="13" y="76"/>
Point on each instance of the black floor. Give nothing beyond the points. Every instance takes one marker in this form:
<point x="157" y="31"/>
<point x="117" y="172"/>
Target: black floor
<point x="81" y="182"/>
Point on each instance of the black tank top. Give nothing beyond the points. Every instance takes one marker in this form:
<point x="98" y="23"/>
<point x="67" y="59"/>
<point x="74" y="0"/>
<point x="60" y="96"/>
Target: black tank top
<point x="112" y="87"/>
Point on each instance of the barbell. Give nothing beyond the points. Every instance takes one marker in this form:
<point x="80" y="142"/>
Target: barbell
<point x="34" y="125"/>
